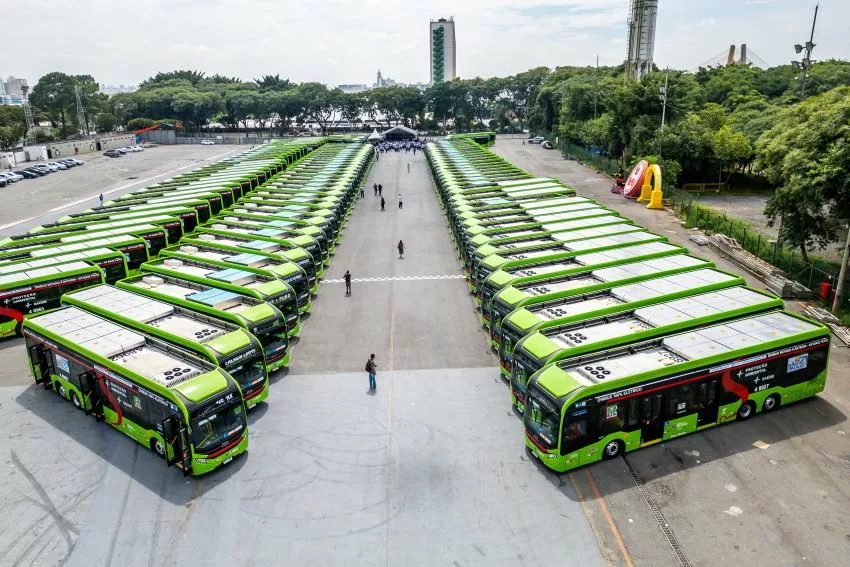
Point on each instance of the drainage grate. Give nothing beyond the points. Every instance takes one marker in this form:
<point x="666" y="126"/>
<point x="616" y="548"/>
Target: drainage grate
<point x="132" y="178"/>
<point x="656" y="513"/>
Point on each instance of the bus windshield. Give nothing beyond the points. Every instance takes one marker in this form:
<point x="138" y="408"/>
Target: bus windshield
<point x="542" y="419"/>
<point x="216" y="426"/>
<point x="249" y="374"/>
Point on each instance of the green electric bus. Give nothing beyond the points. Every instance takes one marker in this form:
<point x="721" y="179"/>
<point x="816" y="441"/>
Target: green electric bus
<point x="560" y="288"/>
<point x="261" y="319"/>
<point x="277" y="235"/>
<point x="134" y="249"/>
<point x="224" y="344"/>
<point x="502" y="278"/>
<point x="548" y="251"/>
<point x="39" y="289"/>
<point x="276" y="213"/>
<point x="263" y="264"/>
<point x="268" y="288"/>
<point x="201" y="208"/>
<point x="285" y="227"/>
<point x="587" y="408"/>
<point x="155" y="236"/>
<point x="188" y="219"/>
<point x="111" y="262"/>
<point x="173" y="228"/>
<point x="626" y="323"/>
<point x="186" y="410"/>
<point x="585" y="224"/>
<point x="239" y="242"/>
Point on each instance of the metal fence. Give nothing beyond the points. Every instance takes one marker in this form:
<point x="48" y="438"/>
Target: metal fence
<point x="810" y="274"/>
<point x="603" y="163"/>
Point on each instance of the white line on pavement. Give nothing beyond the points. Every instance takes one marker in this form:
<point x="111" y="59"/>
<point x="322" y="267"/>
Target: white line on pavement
<point x="401" y="278"/>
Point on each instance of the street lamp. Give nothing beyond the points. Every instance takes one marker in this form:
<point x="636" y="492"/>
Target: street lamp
<point x="807" y="59"/>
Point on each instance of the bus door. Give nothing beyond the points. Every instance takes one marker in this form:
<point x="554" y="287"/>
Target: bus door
<point x="42" y="365"/>
<point x="650" y="418"/>
<point x="706" y="402"/>
<point x="177" y="440"/>
<point x="92" y="395"/>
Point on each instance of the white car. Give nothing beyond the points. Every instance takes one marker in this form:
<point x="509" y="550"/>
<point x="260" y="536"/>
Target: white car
<point x="11" y="177"/>
<point x="57" y="165"/>
<point x="536" y="140"/>
<point x="51" y="166"/>
<point x="207" y="143"/>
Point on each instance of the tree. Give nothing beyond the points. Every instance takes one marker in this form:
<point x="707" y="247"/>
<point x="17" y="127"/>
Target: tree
<point x="522" y="90"/>
<point x="730" y="147"/>
<point x="105" y="122"/>
<point x="273" y="83"/>
<point x="807" y="154"/>
<point x="13" y="126"/>
<point x="54" y="96"/>
<point x="172" y="78"/>
<point x="319" y="103"/>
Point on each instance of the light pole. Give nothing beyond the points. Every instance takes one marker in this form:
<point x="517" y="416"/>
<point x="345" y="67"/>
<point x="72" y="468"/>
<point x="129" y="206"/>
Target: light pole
<point x="807" y="59"/>
<point x="663" y="98"/>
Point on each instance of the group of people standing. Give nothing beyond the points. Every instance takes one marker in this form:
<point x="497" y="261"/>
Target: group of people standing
<point x="379" y="192"/>
<point x="406" y="146"/>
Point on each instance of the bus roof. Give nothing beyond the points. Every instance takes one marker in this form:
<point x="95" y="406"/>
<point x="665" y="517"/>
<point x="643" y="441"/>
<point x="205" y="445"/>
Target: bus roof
<point x="731" y="340"/>
<point x="82" y="255"/>
<point x="19" y="277"/>
<point x="221" y="337"/>
<point x="718" y="304"/>
<point x="123" y="346"/>
<point x="210" y="296"/>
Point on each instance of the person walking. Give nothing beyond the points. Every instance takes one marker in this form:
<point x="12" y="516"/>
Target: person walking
<point x="372" y="369"/>
<point x="523" y="142"/>
<point x="362" y="191"/>
<point x="347" y="278"/>
<point x="375" y="187"/>
<point x="400" y="250"/>
<point x="380" y="189"/>
<point x="101" y="200"/>
<point x="400" y="201"/>
<point x="382" y="203"/>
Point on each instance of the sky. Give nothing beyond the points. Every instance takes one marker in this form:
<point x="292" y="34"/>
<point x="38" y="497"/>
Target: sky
<point x="343" y="41"/>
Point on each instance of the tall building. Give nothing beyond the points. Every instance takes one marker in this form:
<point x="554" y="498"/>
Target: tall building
<point x="12" y="90"/>
<point x="443" y="50"/>
<point x="641" y="22"/>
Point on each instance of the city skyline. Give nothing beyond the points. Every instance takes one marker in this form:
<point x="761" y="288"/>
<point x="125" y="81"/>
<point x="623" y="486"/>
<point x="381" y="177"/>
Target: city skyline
<point x="348" y="48"/>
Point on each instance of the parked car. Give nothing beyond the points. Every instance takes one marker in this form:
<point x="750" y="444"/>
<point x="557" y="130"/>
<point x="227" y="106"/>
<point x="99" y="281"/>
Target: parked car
<point x="26" y="174"/>
<point x="546" y="145"/>
<point x="121" y="151"/>
<point x="536" y="140"/>
<point x="57" y="165"/>
<point x="50" y="167"/>
<point x="4" y="181"/>
<point x="112" y="153"/>
<point x="207" y="143"/>
<point x="76" y="161"/>
<point x="134" y="149"/>
<point x="12" y="177"/>
<point x="37" y="172"/>
<point x="43" y="168"/>
<point x="67" y="162"/>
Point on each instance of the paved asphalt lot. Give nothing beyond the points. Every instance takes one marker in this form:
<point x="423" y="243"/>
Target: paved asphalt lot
<point x="431" y="469"/>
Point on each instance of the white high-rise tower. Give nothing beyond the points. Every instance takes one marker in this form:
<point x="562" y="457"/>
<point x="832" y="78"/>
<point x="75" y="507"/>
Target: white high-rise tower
<point x="443" y="50"/>
<point x="641" y="22"/>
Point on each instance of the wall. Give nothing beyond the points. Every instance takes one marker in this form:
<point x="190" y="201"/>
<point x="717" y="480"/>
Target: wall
<point x="119" y="141"/>
<point x="72" y="148"/>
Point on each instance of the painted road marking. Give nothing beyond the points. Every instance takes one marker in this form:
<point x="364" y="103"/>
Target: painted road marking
<point x="400" y="278"/>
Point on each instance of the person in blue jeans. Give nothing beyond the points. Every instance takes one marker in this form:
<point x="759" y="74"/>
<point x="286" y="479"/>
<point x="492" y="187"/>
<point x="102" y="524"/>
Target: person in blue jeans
<point x="372" y="369"/>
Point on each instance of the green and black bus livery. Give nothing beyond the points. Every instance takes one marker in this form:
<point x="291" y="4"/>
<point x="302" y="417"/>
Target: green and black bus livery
<point x="186" y="410"/>
<point x="223" y="344"/>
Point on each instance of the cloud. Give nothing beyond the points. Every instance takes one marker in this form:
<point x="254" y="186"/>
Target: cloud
<point x="338" y="41"/>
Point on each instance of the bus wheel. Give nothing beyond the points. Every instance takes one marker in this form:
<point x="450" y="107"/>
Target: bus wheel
<point x="76" y="400"/>
<point x="771" y="403"/>
<point x="60" y="389"/>
<point x="745" y="411"/>
<point x="158" y="447"/>
<point x="612" y="449"/>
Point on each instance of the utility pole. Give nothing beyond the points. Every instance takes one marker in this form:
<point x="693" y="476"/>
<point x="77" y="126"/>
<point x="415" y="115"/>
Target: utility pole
<point x="807" y="59"/>
<point x="663" y="98"/>
<point x="596" y="87"/>
<point x="842" y="274"/>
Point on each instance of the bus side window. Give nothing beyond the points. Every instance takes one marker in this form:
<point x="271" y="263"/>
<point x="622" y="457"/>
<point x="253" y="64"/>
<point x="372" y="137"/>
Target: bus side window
<point x="612" y="417"/>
